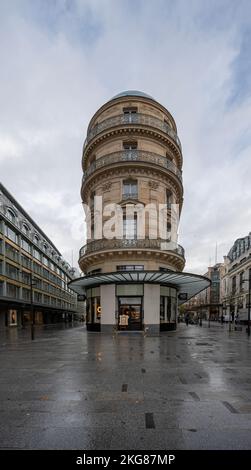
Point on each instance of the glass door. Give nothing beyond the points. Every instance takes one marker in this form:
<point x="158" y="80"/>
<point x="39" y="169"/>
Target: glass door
<point x="130" y="313"/>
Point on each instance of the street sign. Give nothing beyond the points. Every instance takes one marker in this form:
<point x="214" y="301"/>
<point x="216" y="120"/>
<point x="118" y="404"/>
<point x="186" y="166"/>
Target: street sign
<point x="81" y="298"/>
<point x="182" y="296"/>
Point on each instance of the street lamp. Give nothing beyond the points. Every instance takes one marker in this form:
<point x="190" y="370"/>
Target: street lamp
<point x="249" y="299"/>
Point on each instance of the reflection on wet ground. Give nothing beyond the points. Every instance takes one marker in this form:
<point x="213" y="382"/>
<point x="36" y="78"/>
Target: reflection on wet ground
<point x="189" y="389"/>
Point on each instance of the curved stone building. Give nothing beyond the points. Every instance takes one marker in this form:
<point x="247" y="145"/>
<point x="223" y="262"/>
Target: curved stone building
<point x="132" y="158"/>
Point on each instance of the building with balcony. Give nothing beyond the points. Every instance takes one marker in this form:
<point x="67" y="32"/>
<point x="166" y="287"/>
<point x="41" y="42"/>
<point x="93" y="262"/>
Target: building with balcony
<point x="32" y="271"/>
<point x="132" y="158"/>
<point x="235" y="280"/>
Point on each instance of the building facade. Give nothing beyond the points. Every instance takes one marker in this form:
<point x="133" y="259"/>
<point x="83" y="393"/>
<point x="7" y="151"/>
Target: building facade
<point x="208" y="302"/>
<point x="236" y="270"/>
<point x="132" y="157"/>
<point x="32" y="271"/>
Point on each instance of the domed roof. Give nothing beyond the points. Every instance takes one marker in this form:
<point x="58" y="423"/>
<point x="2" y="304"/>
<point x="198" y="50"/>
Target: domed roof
<point x="132" y="93"/>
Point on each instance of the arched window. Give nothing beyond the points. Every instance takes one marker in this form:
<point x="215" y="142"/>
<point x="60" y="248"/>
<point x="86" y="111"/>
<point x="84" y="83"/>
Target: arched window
<point x="45" y="247"/>
<point x="11" y="215"/>
<point x="36" y="239"/>
<point x="25" y="229"/>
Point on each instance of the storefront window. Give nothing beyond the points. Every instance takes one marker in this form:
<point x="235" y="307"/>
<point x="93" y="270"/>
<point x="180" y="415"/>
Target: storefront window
<point x="168" y="306"/>
<point x="93" y="309"/>
<point x="12" y="317"/>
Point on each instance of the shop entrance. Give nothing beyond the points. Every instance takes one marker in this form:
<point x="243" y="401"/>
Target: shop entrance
<point x="130" y="313"/>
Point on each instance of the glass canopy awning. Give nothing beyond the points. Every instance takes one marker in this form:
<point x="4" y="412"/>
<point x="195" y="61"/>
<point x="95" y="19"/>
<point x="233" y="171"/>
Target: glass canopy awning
<point x="187" y="285"/>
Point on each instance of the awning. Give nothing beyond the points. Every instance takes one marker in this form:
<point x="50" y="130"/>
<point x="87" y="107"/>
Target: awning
<point x="187" y="284"/>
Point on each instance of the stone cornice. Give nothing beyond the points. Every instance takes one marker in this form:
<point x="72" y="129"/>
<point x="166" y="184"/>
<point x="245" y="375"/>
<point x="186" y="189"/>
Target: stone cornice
<point x="172" y="258"/>
<point x="134" y="130"/>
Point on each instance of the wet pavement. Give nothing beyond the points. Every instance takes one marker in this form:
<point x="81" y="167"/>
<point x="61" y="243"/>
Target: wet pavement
<point x="189" y="389"/>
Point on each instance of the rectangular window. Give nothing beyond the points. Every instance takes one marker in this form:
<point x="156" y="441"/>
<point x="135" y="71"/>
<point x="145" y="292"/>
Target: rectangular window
<point x="11" y="234"/>
<point x="36" y="254"/>
<point x="26" y="246"/>
<point x="37" y="282"/>
<point x="130" y="110"/>
<point x="25" y="277"/>
<point x="130" y="267"/>
<point x="1" y="287"/>
<point x="11" y="271"/>
<point x="46" y="299"/>
<point x="26" y="294"/>
<point x="46" y="273"/>
<point x="130" y="189"/>
<point x="25" y="261"/>
<point x="37" y="297"/>
<point x="130" y="114"/>
<point x="45" y="286"/>
<point x="130" y="228"/>
<point x="12" y="291"/>
<point x="37" y="268"/>
<point x="11" y="253"/>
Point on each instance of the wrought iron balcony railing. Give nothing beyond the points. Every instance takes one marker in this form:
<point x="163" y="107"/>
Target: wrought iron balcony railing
<point x="135" y="118"/>
<point x="105" y="244"/>
<point x="130" y="156"/>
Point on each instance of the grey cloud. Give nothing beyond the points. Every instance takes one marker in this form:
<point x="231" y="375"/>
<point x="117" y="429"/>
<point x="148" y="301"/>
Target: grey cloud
<point x="62" y="60"/>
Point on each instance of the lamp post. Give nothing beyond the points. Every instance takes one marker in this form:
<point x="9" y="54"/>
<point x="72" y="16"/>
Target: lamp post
<point x="249" y="298"/>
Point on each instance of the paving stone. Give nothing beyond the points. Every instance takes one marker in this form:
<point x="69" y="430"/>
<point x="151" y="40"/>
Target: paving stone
<point x="70" y="389"/>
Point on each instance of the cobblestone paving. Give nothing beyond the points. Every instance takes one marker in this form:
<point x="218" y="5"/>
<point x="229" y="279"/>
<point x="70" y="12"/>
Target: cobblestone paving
<point x="189" y="389"/>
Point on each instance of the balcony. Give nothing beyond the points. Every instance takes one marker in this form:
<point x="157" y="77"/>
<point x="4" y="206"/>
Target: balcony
<point x="128" y="119"/>
<point x="116" y="244"/>
<point x="133" y="156"/>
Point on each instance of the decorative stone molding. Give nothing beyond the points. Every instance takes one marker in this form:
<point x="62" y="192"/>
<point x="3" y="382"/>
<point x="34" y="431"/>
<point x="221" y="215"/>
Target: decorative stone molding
<point x="95" y="179"/>
<point x="106" y="186"/>
<point x="153" y="184"/>
<point x="156" y="135"/>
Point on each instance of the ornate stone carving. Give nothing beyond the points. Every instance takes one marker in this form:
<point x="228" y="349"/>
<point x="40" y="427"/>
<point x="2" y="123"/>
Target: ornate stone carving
<point x="106" y="186"/>
<point x="153" y="184"/>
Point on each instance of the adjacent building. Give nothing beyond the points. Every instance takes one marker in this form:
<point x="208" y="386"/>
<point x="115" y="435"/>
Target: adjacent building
<point x="32" y="270"/>
<point x="132" y="157"/>
<point x="236" y="270"/>
<point x="208" y="302"/>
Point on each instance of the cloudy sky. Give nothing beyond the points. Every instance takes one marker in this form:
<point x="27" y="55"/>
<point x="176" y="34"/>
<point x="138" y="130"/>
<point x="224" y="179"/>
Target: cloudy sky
<point x="62" y="59"/>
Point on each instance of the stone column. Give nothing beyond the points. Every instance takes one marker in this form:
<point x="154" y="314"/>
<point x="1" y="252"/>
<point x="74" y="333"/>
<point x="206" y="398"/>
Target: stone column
<point x="152" y="308"/>
<point x="107" y="300"/>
